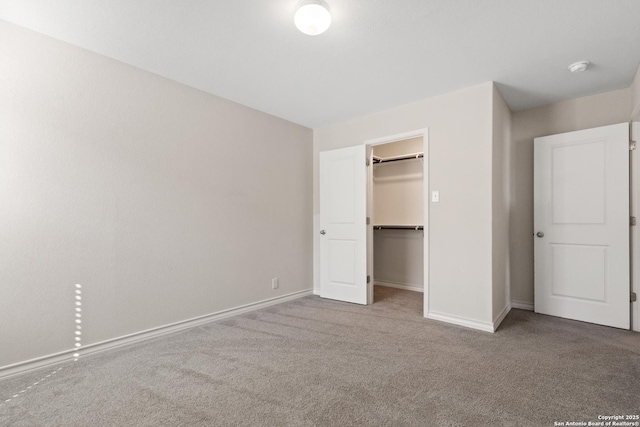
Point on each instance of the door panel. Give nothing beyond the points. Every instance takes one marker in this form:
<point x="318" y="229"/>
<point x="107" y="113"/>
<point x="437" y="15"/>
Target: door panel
<point x="578" y="187"/>
<point x="342" y="258"/>
<point x="581" y="198"/>
<point x="343" y="246"/>
<point x="579" y="271"/>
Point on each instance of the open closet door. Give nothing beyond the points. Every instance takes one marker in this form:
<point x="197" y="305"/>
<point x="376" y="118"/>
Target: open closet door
<point x="343" y="240"/>
<point x="581" y="218"/>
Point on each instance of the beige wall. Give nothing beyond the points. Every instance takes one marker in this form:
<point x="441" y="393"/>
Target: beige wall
<point x="398" y="193"/>
<point x="635" y="97"/>
<point x="399" y="257"/>
<point x="460" y="151"/>
<point x="501" y="200"/>
<point x="583" y="113"/>
<point x="164" y="202"/>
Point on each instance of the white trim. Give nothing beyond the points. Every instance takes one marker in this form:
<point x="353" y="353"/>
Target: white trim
<point x="462" y="321"/>
<point x="501" y="316"/>
<point x="426" y="170"/>
<point x="316" y="291"/>
<point x="40" y="362"/>
<point x="316" y="253"/>
<point x="520" y="305"/>
<point x="397" y="137"/>
<point x="370" y="216"/>
<point x="635" y="231"/>
<point x="424" y="133"/>
<point x="404" y="286"/>
<point x="65" y="356"/>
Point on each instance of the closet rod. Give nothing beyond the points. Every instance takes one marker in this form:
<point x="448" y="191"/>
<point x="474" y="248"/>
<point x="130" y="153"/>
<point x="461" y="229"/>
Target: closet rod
<point x="398" y="158"/>
<point x="398" y="227"/>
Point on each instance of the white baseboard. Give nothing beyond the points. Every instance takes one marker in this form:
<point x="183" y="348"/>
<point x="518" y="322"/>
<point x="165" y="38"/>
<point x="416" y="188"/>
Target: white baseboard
<point x="400" y="286"/>
<point x="501" y="317"/>
<point x="462" y="321"/>
<point x="522" y="305"/>
<point x="316" y="291"/>
<point x="66" y="356"/>
<point x="40" y="362"/>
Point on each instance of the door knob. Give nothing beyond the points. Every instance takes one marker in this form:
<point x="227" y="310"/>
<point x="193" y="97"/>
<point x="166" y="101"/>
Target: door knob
<point x="323" y="232"/>
<point x="540" y="234"/>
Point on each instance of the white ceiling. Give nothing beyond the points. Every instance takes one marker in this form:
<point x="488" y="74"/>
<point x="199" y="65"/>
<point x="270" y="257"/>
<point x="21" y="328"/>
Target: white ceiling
<point x="377" y="54"/>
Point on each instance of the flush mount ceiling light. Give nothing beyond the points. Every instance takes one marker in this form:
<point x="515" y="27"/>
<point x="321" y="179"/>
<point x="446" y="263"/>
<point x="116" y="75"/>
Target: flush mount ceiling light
<point x="579" y="66"/>
<point x="312" y="17"/>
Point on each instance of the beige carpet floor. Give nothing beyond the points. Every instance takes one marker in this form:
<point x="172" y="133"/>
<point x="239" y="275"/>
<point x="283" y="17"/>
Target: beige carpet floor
<point x="315" y="362"/>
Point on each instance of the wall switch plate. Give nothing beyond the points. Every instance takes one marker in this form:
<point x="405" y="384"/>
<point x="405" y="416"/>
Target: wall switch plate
<point x="275" y="283"/>
<point x="435" y="196"/>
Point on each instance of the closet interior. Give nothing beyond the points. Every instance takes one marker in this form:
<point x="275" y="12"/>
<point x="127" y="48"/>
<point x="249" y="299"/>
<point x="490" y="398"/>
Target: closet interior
<point x="398" y="214"/>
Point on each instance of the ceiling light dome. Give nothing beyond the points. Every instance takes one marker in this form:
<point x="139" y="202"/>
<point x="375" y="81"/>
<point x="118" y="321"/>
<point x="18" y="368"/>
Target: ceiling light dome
<point x="312" y="17"/>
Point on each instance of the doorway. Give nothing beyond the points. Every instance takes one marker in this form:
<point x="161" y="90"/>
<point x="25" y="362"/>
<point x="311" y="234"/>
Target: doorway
<point x="397" y="210"/>
<point x="347" y="264"/>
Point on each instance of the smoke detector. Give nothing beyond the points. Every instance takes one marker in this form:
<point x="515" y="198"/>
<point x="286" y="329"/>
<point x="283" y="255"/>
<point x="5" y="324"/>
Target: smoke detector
<point x="578" y="67"/>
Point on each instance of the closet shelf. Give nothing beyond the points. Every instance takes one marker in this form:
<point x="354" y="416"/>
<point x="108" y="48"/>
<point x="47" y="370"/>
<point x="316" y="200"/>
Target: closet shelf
<point x="377" y="159"/>
<point x="398" y="227"/>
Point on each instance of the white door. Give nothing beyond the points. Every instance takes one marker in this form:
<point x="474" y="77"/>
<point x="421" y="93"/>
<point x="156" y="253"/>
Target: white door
<point x="343" y="210"/>
<point x="581" y="222"/>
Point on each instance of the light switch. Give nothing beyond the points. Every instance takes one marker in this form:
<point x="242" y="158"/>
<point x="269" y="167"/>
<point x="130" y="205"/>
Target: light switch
<point x="435" y="196"/>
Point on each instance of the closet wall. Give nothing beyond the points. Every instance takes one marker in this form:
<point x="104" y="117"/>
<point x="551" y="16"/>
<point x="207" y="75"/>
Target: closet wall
<point x="398" y="200"/>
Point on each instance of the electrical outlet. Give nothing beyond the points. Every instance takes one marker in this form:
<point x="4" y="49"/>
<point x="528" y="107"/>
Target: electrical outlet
<point x="275" y="283"/>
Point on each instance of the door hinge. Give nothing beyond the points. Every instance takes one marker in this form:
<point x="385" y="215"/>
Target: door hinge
<point x="368" y="279"/>
<point x="632" y="145"/>
<point x="632" y="221"/>
<point x="634" y="297"/>
<point x="368" y="220"/>
<point x="368" y="162"/>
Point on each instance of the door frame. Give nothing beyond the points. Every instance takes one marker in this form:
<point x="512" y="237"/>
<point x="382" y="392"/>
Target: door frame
<point x="424" y="133"/>
<point x="634" y="188"/>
